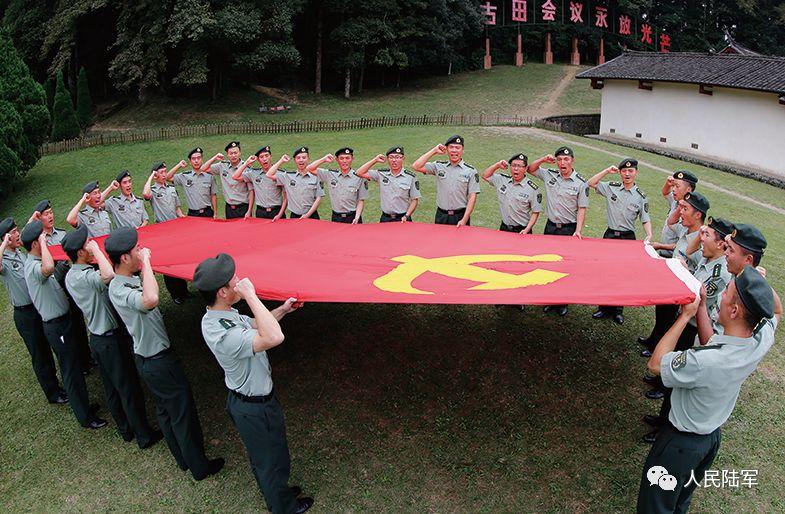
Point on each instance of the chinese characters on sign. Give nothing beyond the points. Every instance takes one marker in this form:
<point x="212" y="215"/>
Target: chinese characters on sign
<point x="576" y="10"/>
<point x="489" y="10"/>
<point x="646" y="33"/>
<point x="519" y="10"/>
<point x="548" y="11"/>
<point x="726" y="478"/>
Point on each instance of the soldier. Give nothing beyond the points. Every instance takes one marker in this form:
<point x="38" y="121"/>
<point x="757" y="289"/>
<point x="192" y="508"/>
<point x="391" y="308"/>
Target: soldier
<point x="348" y="190"/>
<point x="567" y="199"/>
<point x="625" y="203"/>
<point x="674" y="189"/>
<point x="744" y="246"/>
<point x="198" y="186"/>
<point x="237" y="195"/>
<point x="303" y="191"/>
<point x="165" y="201"/>
<point x="26" y="318"/>
<point x="240" y="345"/>
<point x="127" y="209"/>
<point x="136" y="300"/>
<point x="94" y="216"/>
<point x="52" y="304"/>
<point x="706" y="382"/>
<point x="43" y="211"/>
<point x="269" y="197"/>
<point x="520" y="201"/>
<point x="457" y="183"/>
<point x="399" y="188"/>
<point x="108" y="341"/>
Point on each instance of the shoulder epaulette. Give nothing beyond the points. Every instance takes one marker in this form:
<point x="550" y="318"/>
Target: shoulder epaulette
<point x="580" y="177"/>
<point x="505" y="175"/>
<point x="614" y="184"/>
<point x="553" y="170"/>
<point x="708" y="347"/>
<point x="410" y="173"/>
<point x="469" y="166"/>
<point x="716" y="271"/>
<point x="532" y="184"/>
<point x="224" y="162"/>
<point x="442" y="162"/>
<point x="84" y="210"/>
<point x="332" y="170"/>
<point x="640" y="192"/>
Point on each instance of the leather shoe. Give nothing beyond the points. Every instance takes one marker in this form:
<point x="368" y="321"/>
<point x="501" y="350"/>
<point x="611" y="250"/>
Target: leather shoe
<point x="562" y="311"/>
<point x="96" y="423"/>
<point x="650" y="379"/>
<point x="156" y="436"/>
<point x="295" y="489"/>
<point x="651" y="436"/>
<point x="547" y="309"/>
<point x="60" y="399"/>
<point x="303" y="504"/>
<point x="646" y="353"/>
<point x="655" y="394"/>
<point x="213" y="467"/>
<point x="644" y="341"/>
<point x="599" y="314"/>
<point x="178" y="301"/>
<point x="618" y="319"/>
<point x="654" y="421"/>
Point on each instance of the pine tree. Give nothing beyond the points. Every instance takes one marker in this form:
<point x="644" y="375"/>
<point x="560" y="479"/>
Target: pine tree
<point x="49" y="88"/>
<point x="84" y="103"/>
<point x="64" y="122"/>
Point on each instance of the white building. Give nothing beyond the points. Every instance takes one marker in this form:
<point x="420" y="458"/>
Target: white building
<point x="724" y="108"/>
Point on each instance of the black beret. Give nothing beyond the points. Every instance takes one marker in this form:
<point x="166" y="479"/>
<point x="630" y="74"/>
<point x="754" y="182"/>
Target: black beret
<point x="6" y="226"/>
<point x="90" y="187"/>
<point x="157" y="166"/>
<point x="686" y="176"/>
<point x="698" y="201"/>
<point x="42" y="206"/>
<point x="195" y="150"/>
<point x="395" y="149"/>
<point x="298" y="151"/>
<point x="31" y="231"/>
<point x="748" y="237"/>
<point x="232" y="144"/>
<point x="214" y="273"/>
<point x="755" y="293"/>
<point x="75" y="240"/>
<point x="263" y="149"/>
<point x="344" y="151"/>
<point x="121" y="241"/>
<point x="456" y="139"/>
<point x="720" y="226"/>
<point x="518" y="157"/>
<point x="628" y="163"/>
<point x="565" y="150"/>
<point x="122" y="175"/>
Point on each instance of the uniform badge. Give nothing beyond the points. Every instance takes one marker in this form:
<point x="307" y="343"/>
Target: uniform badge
<point x="189" y="183"/>
<point x="679" y="361"/>
<point x="417" y="185"/>
<point x="503" y="189"/>
<point x="539" y="197"/>
<point x="614" y="198"/>
<point x="440" y="174"/>
<point x="646" y="206"/>
<point x="258" y="180"/>
<point x="292" y="183"/>
<point x="121" y="208"/>
<point x="365" y="185"/>
<point x="90" y="221"/>
<point x="587" y="190"/>
<point x="333" y="183"/>
<point x="476" y="178"/>
<point x="552" y="181"/>
<point x="711" y="288"/>
<point x="227" y="323"/>
<point x="15" y="266"/>
<point x="385" y="180"/>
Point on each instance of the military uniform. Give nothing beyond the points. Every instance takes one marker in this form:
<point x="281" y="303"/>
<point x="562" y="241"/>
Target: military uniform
<point x="563" y="199"/>
<point x="127" y="211"/>
<point x="199" y="189"/>
<point x="706" y="382"/>
<point x="236" y="192"/>
<point x="396" y="192"/>
<point x="669" y="236"/>
<point x="27" y="320"/>
<point x="165" y="201"/>
<point x="517" y="201"/>
<point x="52" y="304"/>
<point x="346" y="190"/>
<point x="268" y="195"/>
<point x="158" y="366"/>
<point x="111" y="350"/>
<point x="301" y="189"/>
<point x="97" y="221"/>
<point x="454" y="184"/>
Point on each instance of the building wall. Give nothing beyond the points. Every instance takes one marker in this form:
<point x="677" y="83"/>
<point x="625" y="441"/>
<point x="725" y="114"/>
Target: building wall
<point x="743" y="126"/>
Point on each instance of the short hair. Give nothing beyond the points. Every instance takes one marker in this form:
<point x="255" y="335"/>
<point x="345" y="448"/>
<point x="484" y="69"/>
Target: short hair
<point x="73" y="255"/>
<point x="750" y="319"/>
<point x="115" y="257"/>
<point x="28" y="244"/>
<point x="209" y="297"/>
<point x="691" y="185"/>
<point x="756" y="256"/>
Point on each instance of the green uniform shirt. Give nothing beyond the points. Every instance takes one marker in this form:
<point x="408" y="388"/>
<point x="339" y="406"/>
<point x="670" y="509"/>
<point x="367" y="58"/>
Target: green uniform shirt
<point x="12" y="271"/>
<point x="564" y="196"/>
<point x="396" y="192"/>
<point x="145" y="326"/>
<point x="199" y="189"/>
<point x="92" y="297"/>
<point x="623" y="206"/>
<point x="706" y="380"/>
<point x="127" y="211"/>
<point x="680" y="251"/>
<point x="669" y="236"/>
<point x="230" y="337"/>
<point x="47" y="294"/>
<point x="164" y="201"/>
<point x="454" y="184"/>
<point x="346" y="189"/>
<point x="267" y="192"/>
<point x="715" y="276"/>
<point x="301" y="190"/>
<point x="235" y="191"/>
<point x="97" y="221"/>
<point x="517" y="200"/>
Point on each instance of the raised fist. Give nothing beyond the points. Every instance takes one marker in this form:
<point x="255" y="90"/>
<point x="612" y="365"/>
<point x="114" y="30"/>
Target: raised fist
<point x="329" y="158"/>
<point x="285" y="158"/>
<point x="245" y="288"/>
<point x="380" y="158"/>
<point x="251" y="159"/>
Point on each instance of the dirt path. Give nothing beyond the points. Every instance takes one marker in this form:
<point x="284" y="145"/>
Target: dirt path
<point x="554" y="137"/>
<point x="551" y="105"/>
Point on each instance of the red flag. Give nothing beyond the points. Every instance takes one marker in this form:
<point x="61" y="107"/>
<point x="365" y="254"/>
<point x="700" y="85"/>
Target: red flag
<point x="319" y="261"/>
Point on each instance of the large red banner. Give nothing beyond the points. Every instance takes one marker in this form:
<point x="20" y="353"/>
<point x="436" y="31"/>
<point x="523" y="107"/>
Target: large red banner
<point x="319" y="261"/>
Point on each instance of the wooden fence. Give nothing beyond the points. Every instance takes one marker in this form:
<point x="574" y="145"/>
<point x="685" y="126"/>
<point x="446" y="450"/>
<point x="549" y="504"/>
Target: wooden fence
<point x="286" y="127"/>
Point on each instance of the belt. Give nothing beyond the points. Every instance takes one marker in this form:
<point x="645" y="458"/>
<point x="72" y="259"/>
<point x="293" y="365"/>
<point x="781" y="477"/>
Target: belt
<point x="618" y="233"/>
<point x="682" y="432"/>
<point x="453" y="211"/>
<point x="27" y="307"/>
<point x="159" y="355"/>
<point x="253" y="399"/>
<point x="108" y="333"/>
<point x="200" y="211"/>
<point x="561" y="225"/>
<point x="344" y="214"/>
<point x="270" y="209"/>
<point x="395" y="214"/>
<point x="57" y="319"/>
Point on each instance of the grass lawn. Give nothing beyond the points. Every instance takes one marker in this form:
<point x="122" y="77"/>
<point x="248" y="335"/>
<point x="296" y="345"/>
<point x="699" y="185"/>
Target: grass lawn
<point x="501" y="90"/>
<point x="402" y="407"/>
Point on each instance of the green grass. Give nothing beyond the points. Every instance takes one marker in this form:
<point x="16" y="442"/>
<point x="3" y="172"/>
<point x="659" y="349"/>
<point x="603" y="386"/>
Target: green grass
<point x="400" y="407"/>
<point x="500" y="90"/>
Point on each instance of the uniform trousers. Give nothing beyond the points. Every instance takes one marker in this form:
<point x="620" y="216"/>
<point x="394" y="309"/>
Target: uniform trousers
<point x="262" y="429"/>
<point x="450" y="217"/>
<point x="682" y="454"/>
<point x="615" y="234"/>
<point x="559" y="229"/>
<point x="124" y="398"/>
<point x="31" y="328"/>
<point x="268" y="213"/>
<point x="175" y="410"/>
<point x="236" y="211"/>
<point x="59" y="333"/>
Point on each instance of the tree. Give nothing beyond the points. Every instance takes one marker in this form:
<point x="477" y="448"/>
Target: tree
<point x="24" y="117"/>
<point x="49" y="88"/>
<point x="64" y="122"/>
<point x="84" y="104"/>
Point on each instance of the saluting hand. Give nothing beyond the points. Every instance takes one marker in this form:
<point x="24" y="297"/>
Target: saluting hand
<point x="502" y="164"/>
<point x="245" y="288"/>
<point x="329" y="158"/>
<point x="251" y="159"/>
<point x="144" y="255"/>
<point x="115" y="185"/>
<point x="550" y="158"/>
<point x="85" y="197"/>
<point x="380" y="158"/>
<point x="612" y="169"/>
<point x="440" y="149"/>
<point x="7" y="239"/>
<point x="219" y="156"/>
<point x="92" y="247"/>
<point x="284" y="158"/>
<point x="182" y="164"/>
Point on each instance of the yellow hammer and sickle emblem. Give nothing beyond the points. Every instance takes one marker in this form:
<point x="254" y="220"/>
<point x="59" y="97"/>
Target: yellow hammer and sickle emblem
<point x="399" y="280"/>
